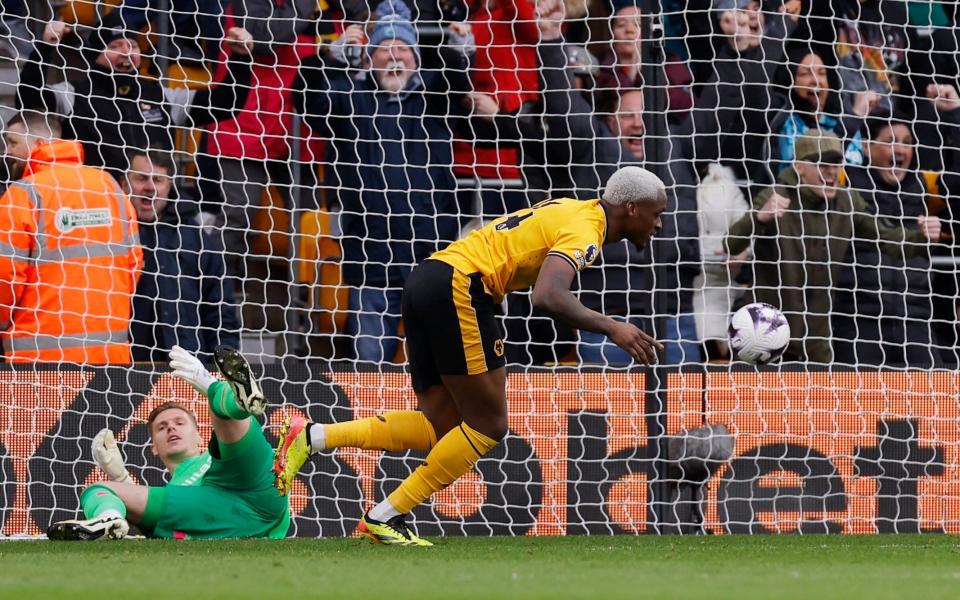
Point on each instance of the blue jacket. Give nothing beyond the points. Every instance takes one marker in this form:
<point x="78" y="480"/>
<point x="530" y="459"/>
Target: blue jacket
<point x="797" y="125"/>
<point x="390" y="165"/>
<point x="183" y="296"/>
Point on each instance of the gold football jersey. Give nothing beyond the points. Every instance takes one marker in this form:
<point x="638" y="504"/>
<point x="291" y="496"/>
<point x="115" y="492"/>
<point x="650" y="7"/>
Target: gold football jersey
<point x="509" y="252"/>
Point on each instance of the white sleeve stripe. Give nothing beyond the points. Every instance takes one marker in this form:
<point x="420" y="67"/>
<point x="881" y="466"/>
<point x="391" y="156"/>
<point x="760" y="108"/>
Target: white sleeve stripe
<point x="564" y="256"/>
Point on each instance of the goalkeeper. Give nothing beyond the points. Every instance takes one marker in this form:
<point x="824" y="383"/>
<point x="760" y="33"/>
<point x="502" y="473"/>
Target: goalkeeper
<point x="455" y="345"/>
<point x="225" y="492"/>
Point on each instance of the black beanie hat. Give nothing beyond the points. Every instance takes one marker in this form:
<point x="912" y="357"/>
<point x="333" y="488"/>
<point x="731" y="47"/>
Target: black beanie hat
<point x="100" y="38"/>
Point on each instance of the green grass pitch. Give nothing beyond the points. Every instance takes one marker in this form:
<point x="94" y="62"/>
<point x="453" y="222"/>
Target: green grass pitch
<point x="874" y="567"/>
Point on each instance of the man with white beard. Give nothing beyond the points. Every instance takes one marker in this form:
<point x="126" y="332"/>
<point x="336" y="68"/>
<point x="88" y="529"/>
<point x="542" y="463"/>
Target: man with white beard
<point x="390" y="162"/>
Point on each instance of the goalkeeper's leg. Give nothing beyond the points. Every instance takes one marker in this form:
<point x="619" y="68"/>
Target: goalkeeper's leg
<point x="107" y="508"/>
<point x="234" y="401"/>
<point x="248" y="397"/>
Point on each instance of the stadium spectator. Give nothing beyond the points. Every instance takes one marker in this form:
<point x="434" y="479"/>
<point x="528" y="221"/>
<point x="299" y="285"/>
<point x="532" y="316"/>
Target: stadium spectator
<point x="196" y="26"/>
<point x="731" y="121"/>
<point x="183" y="298"/>
<point x="619" y="140"/>
<point x="815" y="104"/>
<point x="620" y="65"/>
<point x="932" y="45"/>
<point x="801" y="229"/>
<point x="871" y="49"/>
<point x="390" y="161"/>
<point x="71" y="259"/>
<point x="112" y="107"/>
<point x="506" y="87"/>
<point x="251" y="150"/>
<point x="621" y="62"/>
<point x="736" y="107"/>
<point x="884" y="313"/>
<point x="946" y="101"/>
<point x="748" y="23"/>
<point x="938" y="137"/>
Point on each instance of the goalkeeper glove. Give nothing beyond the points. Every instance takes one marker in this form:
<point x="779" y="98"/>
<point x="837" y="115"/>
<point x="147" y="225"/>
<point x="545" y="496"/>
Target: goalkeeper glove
<point x="189" y="368"/>
<point x="107" y="456"/>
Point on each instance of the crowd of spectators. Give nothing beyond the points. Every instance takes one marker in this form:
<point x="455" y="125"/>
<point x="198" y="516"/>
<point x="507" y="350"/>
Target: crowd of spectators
<point x="807" y="147"/>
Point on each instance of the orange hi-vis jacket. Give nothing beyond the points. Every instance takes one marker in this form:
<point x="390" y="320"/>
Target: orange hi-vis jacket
<point x="70" y="259"/>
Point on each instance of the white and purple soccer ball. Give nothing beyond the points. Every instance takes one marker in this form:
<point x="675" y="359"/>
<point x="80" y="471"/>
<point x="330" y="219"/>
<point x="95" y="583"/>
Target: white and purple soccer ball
<point x="759" y="333"/>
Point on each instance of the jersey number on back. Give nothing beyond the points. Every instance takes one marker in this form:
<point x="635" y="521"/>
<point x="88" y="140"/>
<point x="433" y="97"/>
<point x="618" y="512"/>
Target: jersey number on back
<point x="513" y="221"/>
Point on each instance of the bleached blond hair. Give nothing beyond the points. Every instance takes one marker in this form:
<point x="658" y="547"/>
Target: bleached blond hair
<point x="633" y="184"/>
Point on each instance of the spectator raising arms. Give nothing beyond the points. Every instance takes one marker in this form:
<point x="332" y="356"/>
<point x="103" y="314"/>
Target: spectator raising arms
<point x="506" y="86"/>
<point x="391" y="162"/>
<point x="251" y="149"/>
<point x="113" y="108"/>
<point x="884" y="307"/>
<point x="801" y="229"/>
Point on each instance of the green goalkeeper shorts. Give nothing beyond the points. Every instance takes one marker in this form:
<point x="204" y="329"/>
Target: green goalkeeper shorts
<point x="235" y="499"/>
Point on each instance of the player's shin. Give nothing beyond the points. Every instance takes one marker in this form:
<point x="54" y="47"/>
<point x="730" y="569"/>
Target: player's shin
<point x="105" y="516"/>
<point x="453" y="455"/>
<point x="402" y="430"/>
<point x="100" y="501"/>
<point x="393" y="431"/>
<point x="223" y="402"/>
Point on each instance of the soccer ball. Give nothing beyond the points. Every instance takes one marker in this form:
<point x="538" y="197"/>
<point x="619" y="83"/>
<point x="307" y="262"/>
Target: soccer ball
<point x="758" y="333"/>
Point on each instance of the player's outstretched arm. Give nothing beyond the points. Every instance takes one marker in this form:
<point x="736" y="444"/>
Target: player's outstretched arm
<point x="551" y="294"/>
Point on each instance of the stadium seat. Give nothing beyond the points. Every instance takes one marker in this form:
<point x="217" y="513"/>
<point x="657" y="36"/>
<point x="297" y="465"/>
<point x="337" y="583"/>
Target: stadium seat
<point x="86" y="12"/>
<point x="271" y="225"/>
<point x="319" y="267"/>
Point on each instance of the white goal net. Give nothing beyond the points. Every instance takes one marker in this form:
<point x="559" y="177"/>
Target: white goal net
<point x="265" y="174"/>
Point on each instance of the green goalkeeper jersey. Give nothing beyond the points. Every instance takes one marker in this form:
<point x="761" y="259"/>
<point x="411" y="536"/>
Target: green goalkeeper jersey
<point x="192" y="470"/>
<point x="225" y="492"/>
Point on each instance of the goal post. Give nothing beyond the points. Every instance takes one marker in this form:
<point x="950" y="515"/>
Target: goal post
<point x="288" y="165"/>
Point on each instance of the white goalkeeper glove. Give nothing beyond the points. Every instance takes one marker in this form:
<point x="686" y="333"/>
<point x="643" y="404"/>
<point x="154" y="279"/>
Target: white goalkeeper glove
<point x="107" y="456"/>
<point x="189" y="368"/>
